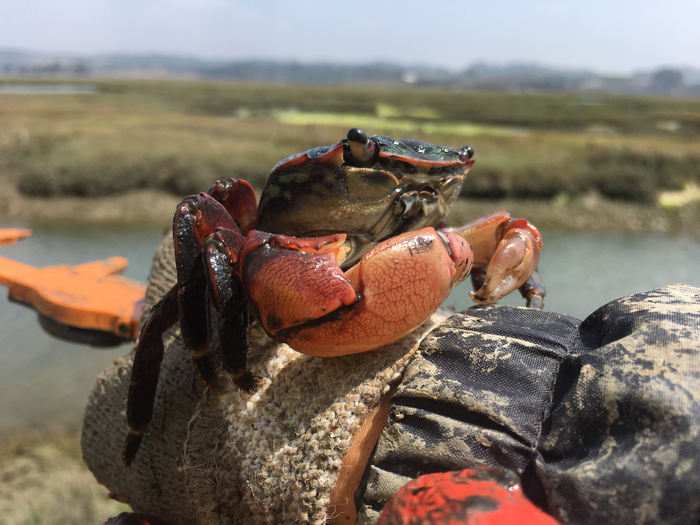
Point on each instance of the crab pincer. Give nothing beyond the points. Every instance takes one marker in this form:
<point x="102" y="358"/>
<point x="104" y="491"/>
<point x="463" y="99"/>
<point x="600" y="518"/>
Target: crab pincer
<point x="308" y="302"/>
<point x="506" y="254"/>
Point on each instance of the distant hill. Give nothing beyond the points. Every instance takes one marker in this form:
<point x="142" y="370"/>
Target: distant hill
<point x="480" y="76"/>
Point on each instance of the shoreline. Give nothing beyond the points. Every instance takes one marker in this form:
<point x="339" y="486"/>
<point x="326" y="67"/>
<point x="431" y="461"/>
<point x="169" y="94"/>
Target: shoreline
<point x="589" y="212"/>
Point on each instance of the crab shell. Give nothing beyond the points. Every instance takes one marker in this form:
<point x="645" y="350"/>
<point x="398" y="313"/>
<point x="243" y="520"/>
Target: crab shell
<point x="406" y="185"/>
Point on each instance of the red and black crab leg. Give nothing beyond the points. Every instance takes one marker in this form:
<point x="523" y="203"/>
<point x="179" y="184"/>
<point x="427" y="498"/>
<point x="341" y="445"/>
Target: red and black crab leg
<point x="225" y="289"/>
<point x="231" y="304"/>
<point x="238" y="197"/>
<point x="145" y="372"/>
<point x="194" y="324"/>
<point x="195" y="220"/>
<point x="533" y="291"/>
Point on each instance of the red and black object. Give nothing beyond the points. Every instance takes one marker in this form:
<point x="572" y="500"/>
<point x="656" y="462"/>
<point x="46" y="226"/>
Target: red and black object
<point x="486" y="496"/>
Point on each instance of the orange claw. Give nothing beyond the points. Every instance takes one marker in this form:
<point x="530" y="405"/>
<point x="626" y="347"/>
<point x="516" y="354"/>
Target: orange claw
<point x="398" y="284"/>
<point x="509" y="247"/>
<point x="512" y="264"/>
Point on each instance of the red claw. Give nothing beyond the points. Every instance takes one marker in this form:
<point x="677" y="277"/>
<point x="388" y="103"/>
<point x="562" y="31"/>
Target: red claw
<point x="515" y="259"/>
<point x="399" y="284"/>
<point x="509" y="247"/>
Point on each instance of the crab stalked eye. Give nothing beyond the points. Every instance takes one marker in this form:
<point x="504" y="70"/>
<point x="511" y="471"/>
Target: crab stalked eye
<point x="361" y="147"/>
<point x="467" y="150"/>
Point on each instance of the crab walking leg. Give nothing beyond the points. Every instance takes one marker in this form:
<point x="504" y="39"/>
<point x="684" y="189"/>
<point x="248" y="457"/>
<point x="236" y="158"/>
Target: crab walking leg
<point x="238" y="197"/>
<point x="533" y="291"/>
<point x="231" y="304"/>
<point x="400" y="283"/>
<point x="510" y="249"/>
<point x="196" y="219"/>
<point x="145" y="372"/>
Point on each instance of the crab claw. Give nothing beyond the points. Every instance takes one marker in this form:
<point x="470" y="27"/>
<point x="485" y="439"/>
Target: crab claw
<point x="394" y="288"/>
<point x="515" y="259"/>
<point x="510" y="248"/>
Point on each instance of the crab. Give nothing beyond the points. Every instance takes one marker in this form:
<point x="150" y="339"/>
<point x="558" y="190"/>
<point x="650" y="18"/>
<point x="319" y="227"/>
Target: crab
<point x="346" y="252"/>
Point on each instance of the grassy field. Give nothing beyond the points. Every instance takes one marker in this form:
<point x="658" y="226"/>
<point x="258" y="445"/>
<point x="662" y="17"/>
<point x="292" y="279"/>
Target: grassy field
<point x="180" y="136"/>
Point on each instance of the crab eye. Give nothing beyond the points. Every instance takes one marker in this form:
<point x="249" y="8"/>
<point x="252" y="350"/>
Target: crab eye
<point x="468" y="150"/>
<point x="363" y="150"/>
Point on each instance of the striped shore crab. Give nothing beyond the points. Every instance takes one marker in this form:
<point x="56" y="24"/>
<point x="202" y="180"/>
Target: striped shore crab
<point x="347" y="251"/>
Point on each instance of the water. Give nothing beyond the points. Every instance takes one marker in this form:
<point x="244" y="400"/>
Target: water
<point x="44" y="382"/>
<point x="583" y="270"/>
<point x="47" y="89"/>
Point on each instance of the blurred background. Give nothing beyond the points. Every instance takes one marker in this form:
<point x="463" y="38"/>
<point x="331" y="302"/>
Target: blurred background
<point x="585" y="119"/>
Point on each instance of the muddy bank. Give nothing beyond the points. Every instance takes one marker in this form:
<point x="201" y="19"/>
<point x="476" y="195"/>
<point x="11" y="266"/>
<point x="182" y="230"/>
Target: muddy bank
<point x="588" y="212"/>
<point x="43" y="480"/>
<point x="138" y="207"/>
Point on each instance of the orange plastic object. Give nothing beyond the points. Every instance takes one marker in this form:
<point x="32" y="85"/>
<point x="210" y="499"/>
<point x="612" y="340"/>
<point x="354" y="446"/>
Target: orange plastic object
<point x="12" y="235"/>
<point x="87" y="296"/>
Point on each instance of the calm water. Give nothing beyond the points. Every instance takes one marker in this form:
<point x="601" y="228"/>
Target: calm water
<point x="44" y="382"/>
<point x="47" y="89"/>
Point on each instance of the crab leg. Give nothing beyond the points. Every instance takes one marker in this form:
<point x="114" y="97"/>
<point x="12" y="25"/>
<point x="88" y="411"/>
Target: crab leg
<point x="533" y="291"/>
<point x="238" y="197"/>
<point x="193" y="223"/>
<point x="231" y="304"/>
<point x="193" y="232"/>
<point x="144" y="374"/>
<point x="510" y="250"/>
<point x="196" y="219"/>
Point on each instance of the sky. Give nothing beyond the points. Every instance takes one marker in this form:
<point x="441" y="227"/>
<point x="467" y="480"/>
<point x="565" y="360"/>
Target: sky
<point x="604" y="36"/>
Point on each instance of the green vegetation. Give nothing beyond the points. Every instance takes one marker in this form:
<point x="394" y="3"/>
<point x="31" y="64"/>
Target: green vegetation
<point x="181" y="136"/>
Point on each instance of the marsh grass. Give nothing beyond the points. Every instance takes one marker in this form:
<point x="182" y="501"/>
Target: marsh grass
<point x="181" y="136"/>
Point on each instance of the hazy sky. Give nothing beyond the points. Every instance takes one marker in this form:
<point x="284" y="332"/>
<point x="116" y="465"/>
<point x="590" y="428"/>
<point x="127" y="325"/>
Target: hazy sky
<point x="612" y="36"/>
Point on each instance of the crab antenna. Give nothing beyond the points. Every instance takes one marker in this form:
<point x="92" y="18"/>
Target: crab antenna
<point x="361" y="147"/>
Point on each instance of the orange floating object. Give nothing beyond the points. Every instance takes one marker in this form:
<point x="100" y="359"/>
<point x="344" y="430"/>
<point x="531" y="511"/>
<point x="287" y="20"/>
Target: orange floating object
<point x="12" y="235"/>
<point x="88" y="297"/>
